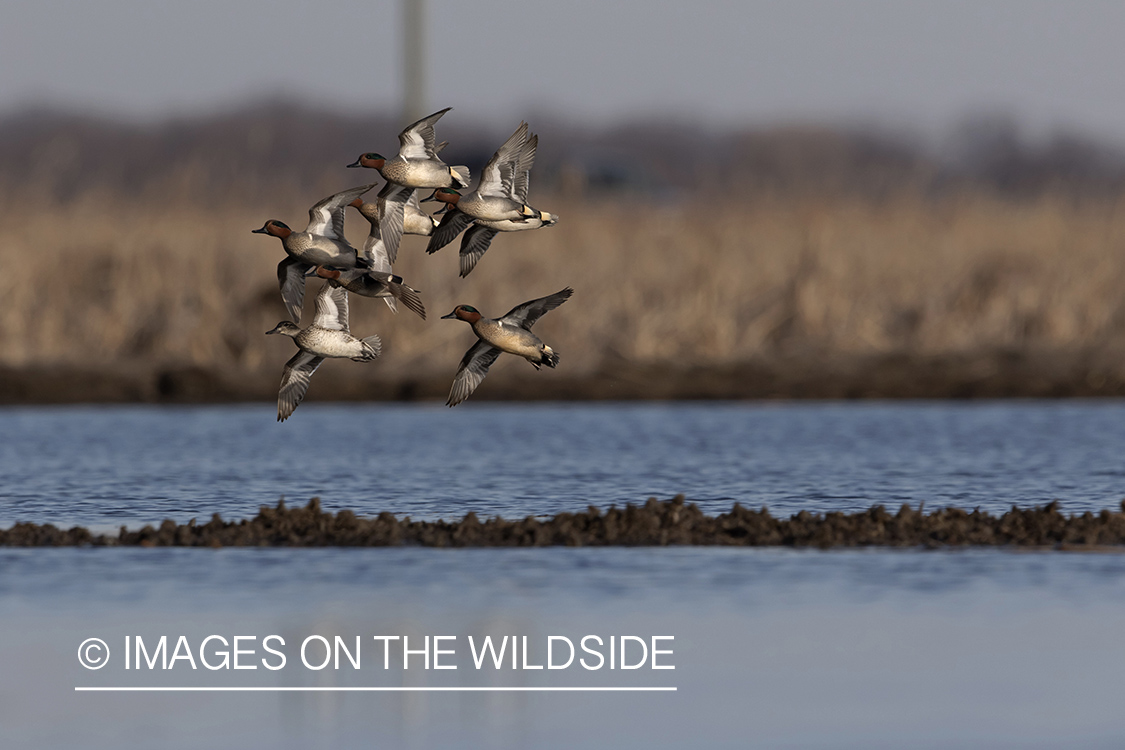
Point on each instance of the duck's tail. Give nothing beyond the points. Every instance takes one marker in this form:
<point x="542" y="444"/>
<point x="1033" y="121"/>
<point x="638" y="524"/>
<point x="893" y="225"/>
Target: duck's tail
<point x="460" y="175"/>
<point x="372" y="348"/>
<point x="550" y="357"/>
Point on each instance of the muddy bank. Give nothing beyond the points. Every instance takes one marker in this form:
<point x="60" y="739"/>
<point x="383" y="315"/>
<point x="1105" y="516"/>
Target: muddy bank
<point x="656" y="523"/>
<point x="1020" y="374"/>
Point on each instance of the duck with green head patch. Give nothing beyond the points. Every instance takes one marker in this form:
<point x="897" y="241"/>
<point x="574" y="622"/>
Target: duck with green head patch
<point x="379" y="284"/>
<point x="416" y="166"/>
<point x="510" y="333"/>
<point x="378" y="280"/>
<point x="499" y="204"/>
<point x="321" y="244"/>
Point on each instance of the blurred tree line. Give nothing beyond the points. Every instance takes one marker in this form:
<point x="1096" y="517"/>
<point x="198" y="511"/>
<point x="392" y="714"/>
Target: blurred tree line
<point x="273" y="147"/>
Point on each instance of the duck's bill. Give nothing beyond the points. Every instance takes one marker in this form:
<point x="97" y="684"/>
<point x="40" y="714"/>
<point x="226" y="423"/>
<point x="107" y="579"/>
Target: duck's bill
<point x="356" y="163"/>
<point x="447" y="317"/>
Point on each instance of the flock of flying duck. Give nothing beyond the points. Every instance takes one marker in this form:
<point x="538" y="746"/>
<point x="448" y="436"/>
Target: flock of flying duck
<point x="499" y="204"/>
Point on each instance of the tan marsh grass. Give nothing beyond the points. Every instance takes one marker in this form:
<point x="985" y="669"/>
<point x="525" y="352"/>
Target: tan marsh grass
<point x="105" y="280"/>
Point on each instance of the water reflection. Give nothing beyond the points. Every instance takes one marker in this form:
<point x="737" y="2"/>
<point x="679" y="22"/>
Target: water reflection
<point x="801" y="648"/>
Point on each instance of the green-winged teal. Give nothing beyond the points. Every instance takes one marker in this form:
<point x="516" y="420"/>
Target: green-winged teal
<point x="416" y="166"/>
<point x="493" y="197"/>
<point x="328" y="336"/>
<point x="378" y="280"/>
<point x="509" y="333"/>
<point x="321" y="244"/>
<point x="387" y="286"/>
<point x="499" y="204"/>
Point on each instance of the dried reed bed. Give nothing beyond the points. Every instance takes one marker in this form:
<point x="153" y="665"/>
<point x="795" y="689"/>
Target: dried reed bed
<point x="105" y="281"/>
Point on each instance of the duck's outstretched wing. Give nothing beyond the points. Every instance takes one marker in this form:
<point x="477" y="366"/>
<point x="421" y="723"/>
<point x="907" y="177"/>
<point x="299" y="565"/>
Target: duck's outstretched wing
<point x="473" y="245"/>
<point x="453" y="222"/>
<point x="392" y="207"/>
<point x="332" y="308"/>
<point x="326" y="218"/>
<point x="375" y="250"/>
<point x="523" y="169"/>
<point x="417" y="140"/>
<point x="414" y="203"/>
<point x="526" y="314"/>
<point x="295" y="382"/>
<point x="499" y="174"/>
<point x="291" y="278"/>
<point x="474" y="366"/>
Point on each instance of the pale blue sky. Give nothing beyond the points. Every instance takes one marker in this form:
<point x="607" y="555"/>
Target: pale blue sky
<point x="923" y="65"/>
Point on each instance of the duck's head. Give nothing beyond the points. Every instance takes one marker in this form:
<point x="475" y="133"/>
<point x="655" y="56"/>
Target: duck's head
<point x="464" y="312"/>
<point x="274" y="228"/>
<point x="327" y="273"/>
<point x="285" y="328"/>
<point x="445" y="195"/>
<point x="370" y="211"/>
<point x="371" y="160"/>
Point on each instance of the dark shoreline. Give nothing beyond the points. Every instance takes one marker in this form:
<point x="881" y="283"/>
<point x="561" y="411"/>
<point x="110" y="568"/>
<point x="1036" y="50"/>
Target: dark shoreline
<point x="656" y="523"/>
<point x="997" y="374"/>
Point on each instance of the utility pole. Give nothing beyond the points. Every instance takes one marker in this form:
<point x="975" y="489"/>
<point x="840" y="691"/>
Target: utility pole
<point x="413" y="60"/>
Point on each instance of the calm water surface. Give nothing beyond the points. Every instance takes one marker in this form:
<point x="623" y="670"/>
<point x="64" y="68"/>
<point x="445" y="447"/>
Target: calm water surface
<point x="773" y="648"/>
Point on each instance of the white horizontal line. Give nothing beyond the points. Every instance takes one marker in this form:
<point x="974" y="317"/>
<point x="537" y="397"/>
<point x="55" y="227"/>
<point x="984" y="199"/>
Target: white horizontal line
<point x="373" y="689"/>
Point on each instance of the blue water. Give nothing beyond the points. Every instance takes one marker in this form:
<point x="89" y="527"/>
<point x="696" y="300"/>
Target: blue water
<point x="772" y="648"/>
<point x="136" y="465"/>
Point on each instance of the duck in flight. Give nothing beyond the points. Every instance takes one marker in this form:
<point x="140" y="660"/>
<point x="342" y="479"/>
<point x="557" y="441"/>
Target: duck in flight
<point x="321" y="244"/>
<point x="328" y="336"/>
<point x="417" y="165"/>
<point x="510" y="333"/>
